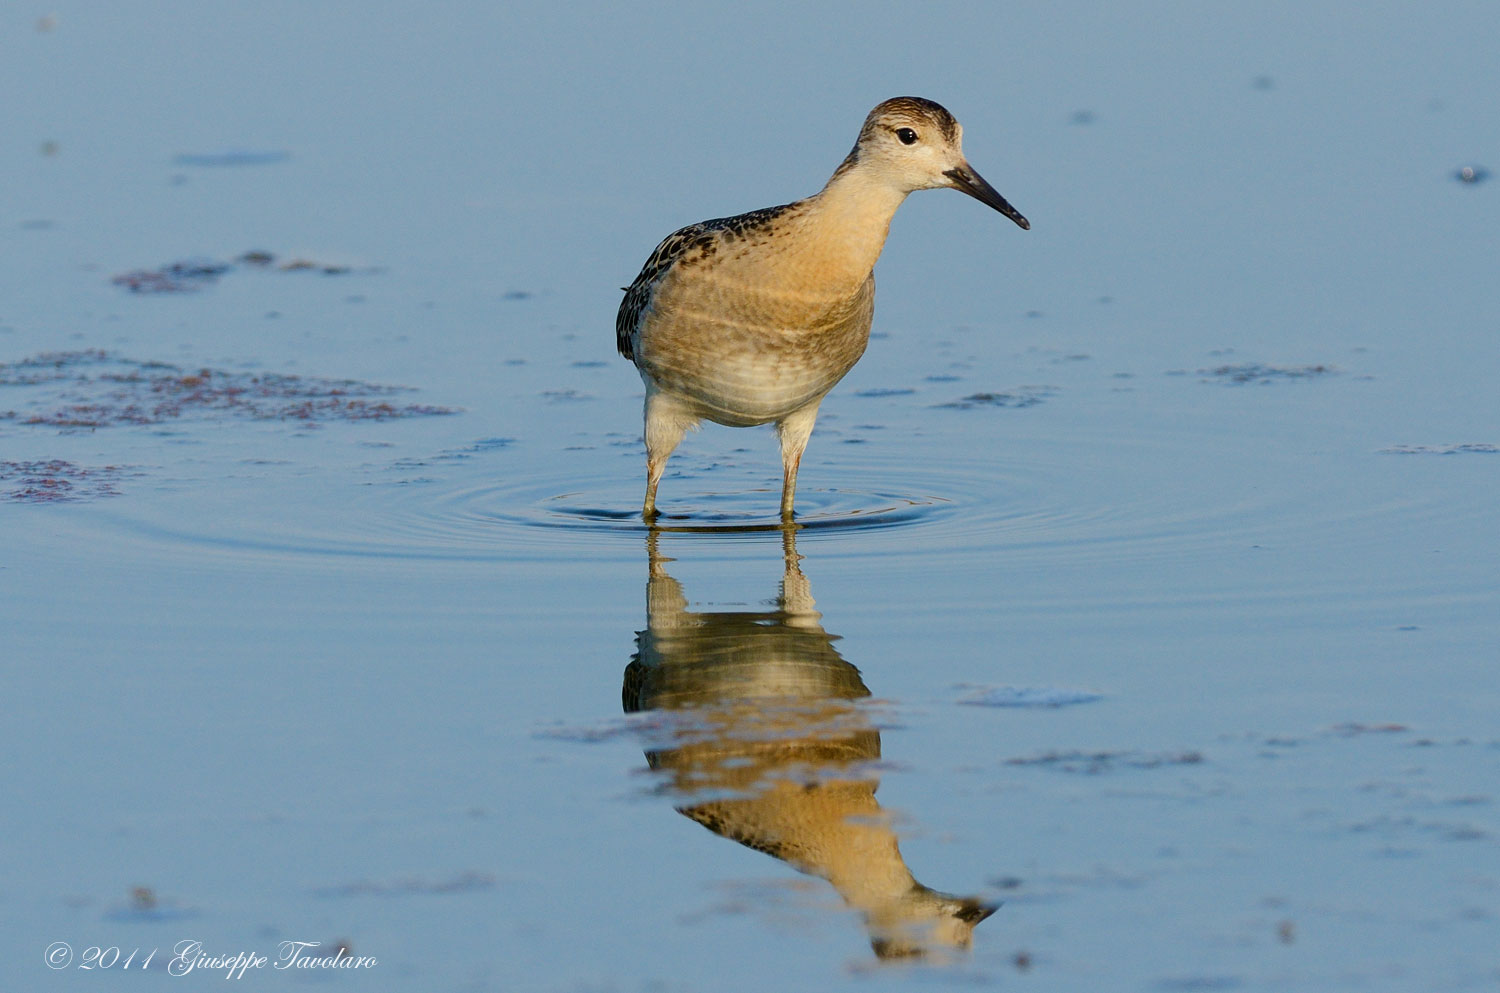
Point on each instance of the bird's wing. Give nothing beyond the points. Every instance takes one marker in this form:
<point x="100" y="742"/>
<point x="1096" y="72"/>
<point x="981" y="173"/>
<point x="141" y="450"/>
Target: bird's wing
<point x="638" y="294"/>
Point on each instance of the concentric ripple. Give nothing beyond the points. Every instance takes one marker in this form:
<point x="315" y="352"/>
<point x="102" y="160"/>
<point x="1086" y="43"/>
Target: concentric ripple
<point x="1050" y="514"/>
<point x="745" y="512"/>
<point x="481" y="512"/>
<point x="532" y="512"/>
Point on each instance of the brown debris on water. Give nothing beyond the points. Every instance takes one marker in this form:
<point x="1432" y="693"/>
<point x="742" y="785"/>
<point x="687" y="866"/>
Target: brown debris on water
<point x="307" y="265"/>
<point x="1023" y="396"/>
<point x="175" y="277"/>
<point x="95" y="389"/>
<point x="194" y="274"/>
<point x="468" y="881"/>
<point x="47" y="366"/>
<point x="1351" y="729"/>
<point x="58" y="481"/>
<point x="1097" y="762"/>
<point x="1470" y="448"/>
<point x="1255" y="372"/>
<point x="144" y="904"/>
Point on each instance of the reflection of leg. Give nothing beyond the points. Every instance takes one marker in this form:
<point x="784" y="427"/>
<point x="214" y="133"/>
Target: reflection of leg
<point x="791" y="561"/>
<point x="794" y="429"/>
<point x="796" y="592"/>
<point x="666" y="423"/>
<point x="666" y="603"/>
<point x="654" y="559"/>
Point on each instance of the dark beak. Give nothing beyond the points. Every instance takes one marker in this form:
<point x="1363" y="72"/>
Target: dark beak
<point x="973" y="911"/>
<point x="966" y="179"/>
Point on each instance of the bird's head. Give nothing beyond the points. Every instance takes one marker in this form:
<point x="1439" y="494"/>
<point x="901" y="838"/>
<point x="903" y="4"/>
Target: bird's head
<point x="914" y="144"/>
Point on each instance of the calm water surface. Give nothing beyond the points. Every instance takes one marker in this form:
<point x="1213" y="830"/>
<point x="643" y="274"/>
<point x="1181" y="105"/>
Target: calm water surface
<point x="1145" y="587"/>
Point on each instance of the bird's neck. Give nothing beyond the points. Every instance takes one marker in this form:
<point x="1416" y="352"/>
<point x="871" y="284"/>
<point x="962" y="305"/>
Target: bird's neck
<point x="850" y="218"/>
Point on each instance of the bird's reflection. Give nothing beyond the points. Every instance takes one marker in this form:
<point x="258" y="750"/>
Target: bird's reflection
<point x="768" y="746"/>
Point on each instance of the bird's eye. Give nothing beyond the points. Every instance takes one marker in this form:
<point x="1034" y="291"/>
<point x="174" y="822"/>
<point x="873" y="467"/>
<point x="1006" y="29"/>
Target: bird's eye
<point x="907" y="136"/>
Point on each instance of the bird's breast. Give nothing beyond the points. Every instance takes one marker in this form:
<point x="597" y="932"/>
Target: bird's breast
<point x="746" y="350"/>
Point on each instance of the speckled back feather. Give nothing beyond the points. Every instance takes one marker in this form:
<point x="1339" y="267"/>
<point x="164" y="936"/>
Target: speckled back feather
<point x="694" y="243"/>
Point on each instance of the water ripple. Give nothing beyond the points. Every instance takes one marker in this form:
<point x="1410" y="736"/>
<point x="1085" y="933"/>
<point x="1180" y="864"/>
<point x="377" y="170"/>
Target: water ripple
<point x="1043" y="512"/>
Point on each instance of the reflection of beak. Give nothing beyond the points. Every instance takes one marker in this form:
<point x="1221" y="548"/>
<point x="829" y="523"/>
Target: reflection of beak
<point x="966" y="179"/>
<point x="973" y="911"/>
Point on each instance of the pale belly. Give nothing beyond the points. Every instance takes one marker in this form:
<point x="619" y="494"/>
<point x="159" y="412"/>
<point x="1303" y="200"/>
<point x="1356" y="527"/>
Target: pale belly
<point x="752" y="371"/>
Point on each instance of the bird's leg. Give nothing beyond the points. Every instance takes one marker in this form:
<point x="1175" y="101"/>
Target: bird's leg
<point x="654" y="469"/>
<point x="794" y="430"/>
<point x="666" y="423"/>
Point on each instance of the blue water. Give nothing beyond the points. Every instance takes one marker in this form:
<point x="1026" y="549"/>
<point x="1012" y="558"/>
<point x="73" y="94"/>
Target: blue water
<point x="1162" y="536"/>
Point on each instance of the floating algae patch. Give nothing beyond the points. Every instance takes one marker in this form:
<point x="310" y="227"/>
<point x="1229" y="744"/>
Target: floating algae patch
<point x="95" y="389"/>
<point x="58" y="481"/>
<point x="194" y="274"/>
<point x="468" y="881"/>
<point x="1097" y="762"/>
<point x="175" y="277"/>
<point x="1025" y="396"/>
<point x="1034" y="697"/>
<point x="1473" y="448"/>
<point x="1255" y="372"/>
<point x="231" y="157"/>
<point x="48" y="367"/>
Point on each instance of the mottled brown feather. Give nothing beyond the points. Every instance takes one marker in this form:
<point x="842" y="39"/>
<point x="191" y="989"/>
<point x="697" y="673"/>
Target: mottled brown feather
<point x="696" y="241"/>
